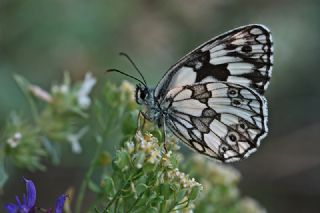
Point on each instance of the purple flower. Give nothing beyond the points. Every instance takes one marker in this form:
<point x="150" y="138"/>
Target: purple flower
<point x="29" y="200"/>
<point x="59" y="204"/>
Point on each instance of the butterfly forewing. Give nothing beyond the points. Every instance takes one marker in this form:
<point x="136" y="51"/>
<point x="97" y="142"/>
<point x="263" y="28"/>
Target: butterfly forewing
<point x="243" y="56"/>
<point x="222" y="120"/>
<point x="212" y="98"/>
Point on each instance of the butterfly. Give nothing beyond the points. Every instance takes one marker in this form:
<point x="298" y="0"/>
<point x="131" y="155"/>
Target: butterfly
<point x="212" y="99"/>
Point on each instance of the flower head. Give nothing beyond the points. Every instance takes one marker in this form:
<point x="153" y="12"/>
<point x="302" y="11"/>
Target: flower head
<point x="60" y="203"/>
<point x="28" y="204"/>
<point x="128" y="91"/>
<point x="28" y="200"/>
<point x="40" y="93"/>
<point x="74" y="139"/>
<point x="84" y="100"/>
<point x="15" y="140"/>
<point x="182" y="179"/>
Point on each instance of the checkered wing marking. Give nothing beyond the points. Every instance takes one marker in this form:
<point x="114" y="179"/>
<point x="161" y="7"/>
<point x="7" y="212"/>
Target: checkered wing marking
<point x="243" y="56"/>
<point x="222" y="120"/>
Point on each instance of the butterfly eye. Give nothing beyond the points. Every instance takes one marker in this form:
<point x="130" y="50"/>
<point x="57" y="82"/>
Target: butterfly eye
<point x="143" y="95"/>
<point x="140" y="95"/>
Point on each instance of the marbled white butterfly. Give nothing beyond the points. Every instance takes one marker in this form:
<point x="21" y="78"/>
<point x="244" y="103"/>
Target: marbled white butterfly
<point x="212" y="99"/>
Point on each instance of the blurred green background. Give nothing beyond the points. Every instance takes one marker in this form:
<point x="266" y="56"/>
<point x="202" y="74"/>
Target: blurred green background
<point x="42" y="39"/>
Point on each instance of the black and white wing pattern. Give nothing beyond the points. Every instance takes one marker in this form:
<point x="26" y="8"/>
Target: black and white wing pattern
<point x="212" y="98"/>
<point x="225" y="121"/>
<point x="243" y="56"/>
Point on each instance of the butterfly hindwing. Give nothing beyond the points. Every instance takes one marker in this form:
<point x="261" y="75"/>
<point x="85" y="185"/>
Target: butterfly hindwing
<point x="212" y="99"/>
<point x="222" y="120"/>
<point x="243" y="56"/>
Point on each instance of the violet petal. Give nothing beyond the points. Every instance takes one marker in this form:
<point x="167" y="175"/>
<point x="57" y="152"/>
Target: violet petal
<point x="31" y="193"/>
<point x="60" y="203"/>
<point x="11" y="208"/>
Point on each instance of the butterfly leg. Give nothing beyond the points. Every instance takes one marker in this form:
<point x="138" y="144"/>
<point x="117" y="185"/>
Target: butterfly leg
<point x="141" y="122"/>
<point x="164" y="137"/>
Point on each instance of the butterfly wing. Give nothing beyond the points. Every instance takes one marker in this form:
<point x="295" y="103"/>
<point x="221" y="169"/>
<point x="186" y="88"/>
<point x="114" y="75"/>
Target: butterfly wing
<point x="243" y="56"/>
<point x="225" y="121"/>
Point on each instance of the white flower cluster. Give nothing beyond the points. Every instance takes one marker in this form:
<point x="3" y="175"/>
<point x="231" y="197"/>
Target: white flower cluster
<point x="62" y="89"/>
<point x="74" y="140"/>
<point x="130" y="146"/>
<point x="82" y="95"/>
<point x="182" y="178"/>
<point x="150" y="147"/>
<point x="83" y="98"/>
<point x="129" y="90"/>
<point x="14" y="140"/>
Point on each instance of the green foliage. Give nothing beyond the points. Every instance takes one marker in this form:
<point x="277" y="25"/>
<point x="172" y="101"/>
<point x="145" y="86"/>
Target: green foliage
<point x="146" y="173"/>
<point x="144" y="177"/>
<point x="57" y="117"/>
<point x="23" y="147"/>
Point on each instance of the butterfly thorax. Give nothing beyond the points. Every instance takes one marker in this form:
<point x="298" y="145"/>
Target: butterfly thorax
<point x="153" y="112"/>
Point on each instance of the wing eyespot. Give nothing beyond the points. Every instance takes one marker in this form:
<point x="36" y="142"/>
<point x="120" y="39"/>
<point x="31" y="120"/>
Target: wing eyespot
<point x="233" y="92"/>
<point x="223" y="149"/>
<point x="236" y="101"/>
<point x="232" y="138"/>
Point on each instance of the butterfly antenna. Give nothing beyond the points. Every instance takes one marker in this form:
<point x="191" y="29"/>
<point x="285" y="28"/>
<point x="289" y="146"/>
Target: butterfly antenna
<point x="134" y="65"/>
<point x="123" y="73"/>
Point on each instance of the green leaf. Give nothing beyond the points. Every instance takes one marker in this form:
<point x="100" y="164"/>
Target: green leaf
<point x="165" y="190"/>
<point x="3" y="174"/>
<point x="194" y="193"/>
<point x="108" y="185"/>
<point x="153" y="210"/>
<point x="53" y="150"/>
<point x="21" y="81"/>
<point x="129" y="124"/>
<point x="23" y="85"/>
<point x="122" y="161"/>
<point x="141" y="187"/>
<point x="180" y="195"/>
<point x="94" y="187"/>
<point x="151" y="197"/>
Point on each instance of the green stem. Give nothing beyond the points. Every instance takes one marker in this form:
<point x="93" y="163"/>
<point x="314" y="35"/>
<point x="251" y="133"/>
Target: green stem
<point x="88" y="174"/>
<point x="136" y="202"/>
<point x="116" y="205"/>
<point x="116" y="196"/>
